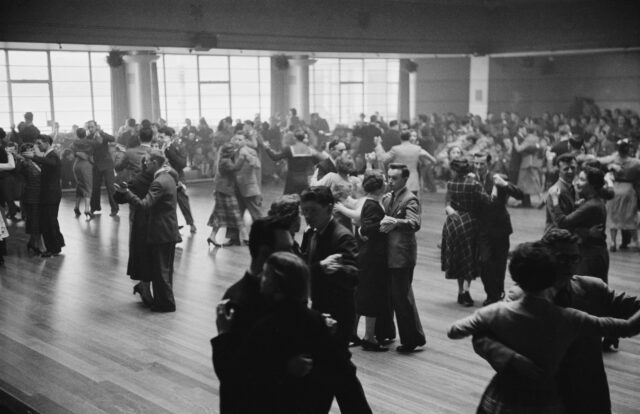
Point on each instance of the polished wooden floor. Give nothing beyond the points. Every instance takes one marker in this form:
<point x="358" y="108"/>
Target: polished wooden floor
<point x="74" y="339"/>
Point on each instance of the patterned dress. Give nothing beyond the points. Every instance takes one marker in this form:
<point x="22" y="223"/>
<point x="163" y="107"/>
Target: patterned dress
<point x="458" y="256"/>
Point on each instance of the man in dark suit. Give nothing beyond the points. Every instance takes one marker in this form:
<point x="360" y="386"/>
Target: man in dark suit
<point x="495" y="228"/>
<point x="50" y="195"/>
<point x="401" y="223"/>
<point x="582" y="378"/>
<point x="241" y="307"/>
<point x="330" y="250"/>
<point x="177" y="158"/>
<point x="291" y="329"/>
<point x="567" y="168"/>
<point x="162" y="235"/>
<point x="102" y="167"/>
<point x="324" y="167"/>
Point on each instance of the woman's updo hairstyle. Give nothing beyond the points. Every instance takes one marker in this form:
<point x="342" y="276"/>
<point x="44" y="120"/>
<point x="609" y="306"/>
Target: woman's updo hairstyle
<point x="595" y="177"/>
<point x="461" y="166"/>
<point x="373" y="181"/>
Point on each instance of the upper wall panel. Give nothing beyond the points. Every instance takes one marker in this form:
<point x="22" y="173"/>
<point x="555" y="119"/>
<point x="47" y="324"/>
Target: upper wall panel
<point x="373" y="26"/>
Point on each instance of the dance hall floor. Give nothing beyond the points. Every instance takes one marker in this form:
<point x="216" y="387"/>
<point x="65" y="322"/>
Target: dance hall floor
<point x="73" y="338"/>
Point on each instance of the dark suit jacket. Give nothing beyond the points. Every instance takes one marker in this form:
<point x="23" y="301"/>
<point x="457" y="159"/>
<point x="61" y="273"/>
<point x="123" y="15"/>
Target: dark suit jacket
<point x="334" y="239"/>
<point x="494" y="217"/>
<point x="289" y="330"/>
<point x="566" y="201"/>
<point x="244" y="297"/>
<point x="161" y="202"/>
<point x="101" y="156"/>
<point x="50" y="189"/>
<point x="582" y="378"/>
<point x="402" y="248"/>
<point x="325" y="167"/>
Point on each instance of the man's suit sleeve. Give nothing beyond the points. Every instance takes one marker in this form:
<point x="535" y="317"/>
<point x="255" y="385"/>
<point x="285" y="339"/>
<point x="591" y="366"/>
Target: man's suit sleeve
<point x="153" y="196"/>
<point x="412" y="220"/>
<point x="349" y="249"/>
<point x="618" y="305"/>
<point x="383" y="156"/>
<point x="513" y="191"/>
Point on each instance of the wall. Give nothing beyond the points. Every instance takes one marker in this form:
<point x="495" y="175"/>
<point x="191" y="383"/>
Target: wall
<point x="611" y="79"/>
<point x="442" y="85"/>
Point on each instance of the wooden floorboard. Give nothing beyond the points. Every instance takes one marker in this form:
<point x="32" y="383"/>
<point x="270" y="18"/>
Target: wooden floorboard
<point x="74" y="339"/>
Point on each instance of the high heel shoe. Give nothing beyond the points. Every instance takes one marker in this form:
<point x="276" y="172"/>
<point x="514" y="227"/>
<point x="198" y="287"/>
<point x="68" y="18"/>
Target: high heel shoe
<point x="89" y="215"/>
<point x="210" y="242"/>
<point x="77" y="211"/>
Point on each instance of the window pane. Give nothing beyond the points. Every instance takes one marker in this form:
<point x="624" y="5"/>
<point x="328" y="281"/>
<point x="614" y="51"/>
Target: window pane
<point x="162" y="92"/>
<point x="101" y="75"/>
<point x="351" y="70"/>
<point x="32" y="97"/>
<point x="351" y="104"/>
<point x="3" y="66"/>
<point x="215" y="101"/>
<point x="28" y="65"/>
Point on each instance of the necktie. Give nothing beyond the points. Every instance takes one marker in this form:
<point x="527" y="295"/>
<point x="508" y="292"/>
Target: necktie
<point x="313" y="244"/>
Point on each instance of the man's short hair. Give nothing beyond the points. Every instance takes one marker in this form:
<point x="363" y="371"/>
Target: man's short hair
<point x="157" y="156"/>
<point x="81" y="133"/>
<point x="263" y="233"/>
<point x="146" y="135"/>
<point x="145" y="123"/>
<point x="28" y="116"/>
<point x="393" y="123"/>
<point x="320" y="194"/>
<point x="46" y="138"/>
<point x="334" y="143"/>
<point x="566" y="158"/>
<point x="555" y="236"/>
<point x="532" y="267"/>
<point x="168" y="131"/>
<point x="405" y="136"/>
<point x="401" y="167"/>
<point x="483" y="154"/>
<point x="131" y="123"/>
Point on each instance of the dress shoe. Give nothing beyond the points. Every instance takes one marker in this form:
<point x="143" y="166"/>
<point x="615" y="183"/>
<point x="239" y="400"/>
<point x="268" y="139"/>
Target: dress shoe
<point x="158" y="309"/>
<point x="49" y="254"/>
<point x="77" y="211"/>
<point x="408" y="349"/>
<point x="465" y="300"/>
<point x="613" y="248"/>
<point x="385" y="341"/>
<point x="113" y="213"/>
<point x="90" y="215"/>
<point x="373" y="346"/>
<point x="193" y="228"/>
<point x="489" y="301"/>
<point x="354" y="340"/>
<point x="1" y="260"/>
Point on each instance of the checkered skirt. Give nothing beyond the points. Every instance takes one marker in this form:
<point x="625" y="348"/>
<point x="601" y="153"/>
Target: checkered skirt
<point x="459" y="253"/>
<point x="226" y="212"/>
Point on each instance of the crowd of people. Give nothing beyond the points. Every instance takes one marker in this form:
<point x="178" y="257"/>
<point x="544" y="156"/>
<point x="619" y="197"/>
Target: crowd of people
<point x="286" y="326"/>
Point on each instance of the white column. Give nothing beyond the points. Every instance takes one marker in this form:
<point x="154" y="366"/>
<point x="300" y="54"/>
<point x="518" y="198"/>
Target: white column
<point x="299" y="85"/>
<point x="479" y="86"/>
<point x="139" y="84"/>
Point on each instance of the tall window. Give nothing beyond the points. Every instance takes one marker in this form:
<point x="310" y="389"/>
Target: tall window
<point x="213" y="87"/>
<point x="341" y="89"/>
<point x="64" y="87"/>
